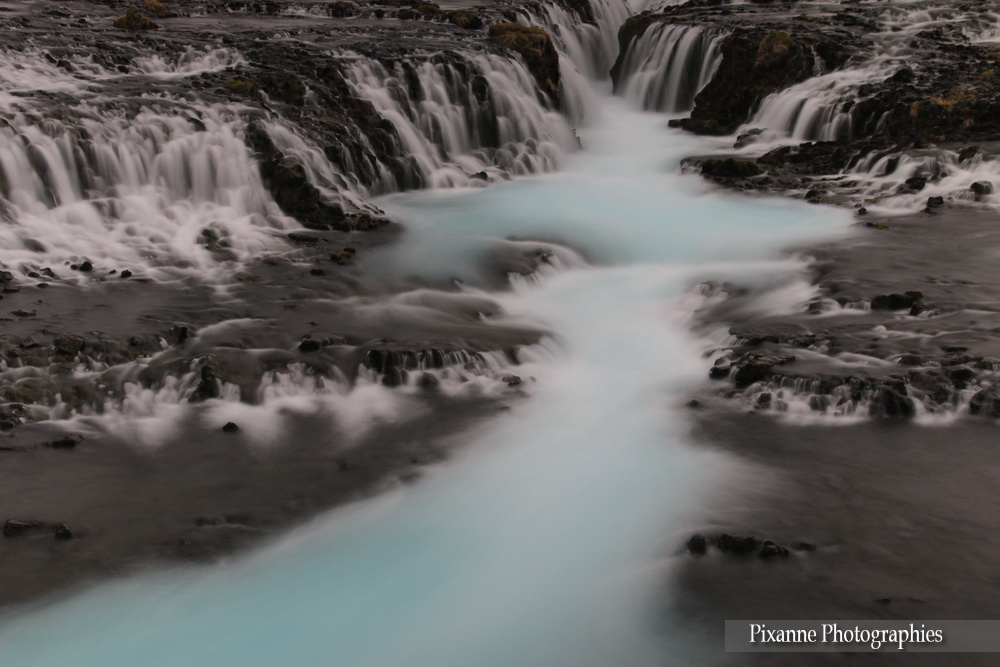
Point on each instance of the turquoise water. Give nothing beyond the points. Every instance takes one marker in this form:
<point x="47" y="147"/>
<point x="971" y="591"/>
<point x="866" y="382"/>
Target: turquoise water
<point x="548" y="541"/>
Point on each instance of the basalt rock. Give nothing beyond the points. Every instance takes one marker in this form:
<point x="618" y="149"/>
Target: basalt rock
<point x="535" y="46"/>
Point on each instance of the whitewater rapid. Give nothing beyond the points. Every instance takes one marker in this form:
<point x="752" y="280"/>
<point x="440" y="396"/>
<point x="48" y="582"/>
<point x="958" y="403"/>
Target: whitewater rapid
<point x="548" y="541"/>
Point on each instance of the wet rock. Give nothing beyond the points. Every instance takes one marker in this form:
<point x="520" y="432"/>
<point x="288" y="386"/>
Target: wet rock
<point x="934" y="203"/>
<point x="65" y="532"/>
<point x="69" y="442"/>
<point x="512" y="380"/>
<point x="697" y="545"/>
<point x="230" y="427"/>
<point x="756" y="366"/>
<point x="465" y="19"/>
<point x="729" y="168"/>
<point x="125" y="274"/>
<point x="986" y="403"/>
<point x="535" y="46"/>
<point x="133" y="20"/>
<point x="962" y="376"/>
<point x="304" y="239"/>
<point x="891" y="400"/>
<point x="896" y="301"/>
<point x="19" y="527"/>
<point x="208" y="386"/>
<point x="177" y="334"/>
<point x="309" y="345"/>
<point x="736" y="545"/>
<point x="770" y="550"/>
<point x="69" y="344"/>
<point x="20" y="312"/>
<point x="428" y="381"/>
<point x="290" y="187"/>
<point x="982" y="188"/>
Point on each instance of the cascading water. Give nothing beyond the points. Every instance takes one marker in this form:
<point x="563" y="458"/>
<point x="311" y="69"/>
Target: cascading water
<point x="138" y="193"/>
<point x="666" y="67"/>
<point x="543" y="543"/>
<point x="537" y="547"/>
<point x="457" y="124"/>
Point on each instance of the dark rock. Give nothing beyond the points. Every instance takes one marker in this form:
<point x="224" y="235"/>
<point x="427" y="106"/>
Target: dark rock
<point x="305" y="239"/>
<point x="177" y="334"/>
<point x="86" y="267"/>
<point x="69" y="442"/>
<point x="65" y="532"/>
<point x="697" y="545"/>
<point x="986" y="403"/>
<point x="982" y="188"/>
<point x="903" y="75"/>
<point x="18" y="527"/>
<point x="935" y="202"/>
<point x="770" y="550"/>
<point x="20" y="312"/>
<point x="428" y="381"/>
<point x="891" y="400"/>
<point x="126" y="273"/>
<point x="512" y="380"/>
<point x="540" y="55"/>
<point x="736" y="545"/>
<point x="309" y="345"/>
<point x="961" y="376"/>
<point x="215" y="520"/>
<point x="803" y="546"/>
<point x="756" y="366"/>
<point x="729" y="168"/>
<point x="230" y="427"/>
<point x="69" y="344"/>
<point x="896" y="301"/>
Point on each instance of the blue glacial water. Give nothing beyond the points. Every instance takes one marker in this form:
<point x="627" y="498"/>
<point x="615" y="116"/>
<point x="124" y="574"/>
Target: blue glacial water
<point x="549" y="540"/>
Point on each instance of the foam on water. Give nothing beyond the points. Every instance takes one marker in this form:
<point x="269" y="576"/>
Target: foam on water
<point x="541" y="544"/>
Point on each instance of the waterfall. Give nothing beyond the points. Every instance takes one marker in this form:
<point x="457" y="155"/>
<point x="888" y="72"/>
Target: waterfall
<point x="893" y="183"/>
<point x="464" y="123"/>
<point x="668" y="65"/>
<point x="141" y="192"/>
<point x="817" y="109"/>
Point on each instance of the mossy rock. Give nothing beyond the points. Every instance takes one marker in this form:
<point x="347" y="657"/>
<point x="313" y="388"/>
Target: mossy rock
<point x="239" y="87"/>
<point x="535" y="46"/>
<point x="465" y="19"/>
<point x="133" y="20"/>
<point x="774" y="49"/>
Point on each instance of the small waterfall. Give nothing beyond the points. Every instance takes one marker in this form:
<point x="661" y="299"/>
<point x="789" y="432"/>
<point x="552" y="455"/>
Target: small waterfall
<point x="462" y="123"/>
<point x="894" y="183"/>
<point x="817" y="109"/>
<point x="189" y="62"/>
<point x="587" y="42"/>
<point x="169" y="193"/>
<point x="668" y="65"/>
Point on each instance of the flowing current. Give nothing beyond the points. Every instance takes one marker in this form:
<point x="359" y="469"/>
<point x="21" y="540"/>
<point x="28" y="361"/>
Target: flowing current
<point x="549" y="539"/>
<point x="543" y="544"/>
